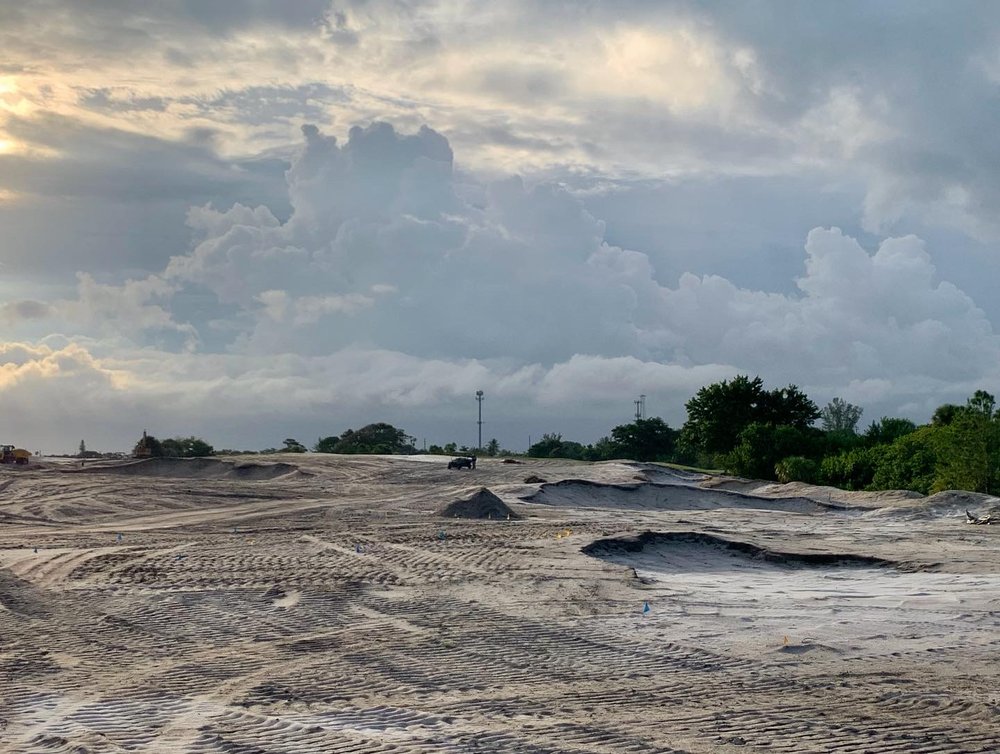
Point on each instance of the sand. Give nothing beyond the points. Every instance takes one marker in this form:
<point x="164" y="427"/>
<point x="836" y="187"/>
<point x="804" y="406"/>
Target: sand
<point x="332" y="604"/>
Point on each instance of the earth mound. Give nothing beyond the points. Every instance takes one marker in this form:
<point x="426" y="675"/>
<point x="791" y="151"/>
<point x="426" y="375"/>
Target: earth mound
<point x="651" y="472"/>
<point x="946" y="504"/>
<point x="193" y="468"/>
<point x="696" y="550"/>
<point x="582" y="493"/>
<point x="482" y="505"/>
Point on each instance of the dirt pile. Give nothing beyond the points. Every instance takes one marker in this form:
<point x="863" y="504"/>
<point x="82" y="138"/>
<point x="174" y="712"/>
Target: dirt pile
<point x="698" y="546"/>
<point x="482" y="505"/>
<point x="582" y="493"/>
<point x="192" y="468"/>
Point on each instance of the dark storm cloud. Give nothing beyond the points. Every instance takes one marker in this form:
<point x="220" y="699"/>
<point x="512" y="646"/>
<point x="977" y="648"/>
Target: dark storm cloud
<point x="109" y="201"/>
<point x="103" y="162"/>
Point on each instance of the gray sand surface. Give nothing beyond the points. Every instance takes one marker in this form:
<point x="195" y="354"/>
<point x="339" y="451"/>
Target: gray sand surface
<point x="318" y="603"/>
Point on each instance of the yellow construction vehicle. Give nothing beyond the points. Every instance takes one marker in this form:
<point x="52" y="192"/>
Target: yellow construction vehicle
<point x="10" y="454"/>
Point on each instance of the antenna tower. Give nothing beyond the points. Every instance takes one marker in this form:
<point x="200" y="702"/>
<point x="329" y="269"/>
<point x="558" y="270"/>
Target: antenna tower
<point x="479" y="400"/>
<point x="640" y="407"/>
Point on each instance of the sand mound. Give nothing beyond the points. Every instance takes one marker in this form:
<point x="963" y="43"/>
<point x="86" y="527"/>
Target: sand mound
<point x="651" y="472"/>
<point x="483" y="504"/>
<point x="581" y="493"/>
<point x="947" y="504"/>
<point x="684" y="551"/>
<point x="855" y="498"/>
<point x="962" y="499"/>
<point x="534" y="479"/>
<point x="192" y="468"/>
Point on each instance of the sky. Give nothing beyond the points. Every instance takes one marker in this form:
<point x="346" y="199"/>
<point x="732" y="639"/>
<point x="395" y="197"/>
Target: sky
<point x="254" y="220"/>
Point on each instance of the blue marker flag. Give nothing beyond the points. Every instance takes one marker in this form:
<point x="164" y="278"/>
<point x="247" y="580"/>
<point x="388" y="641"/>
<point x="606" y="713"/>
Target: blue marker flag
<point x="645" y="606"/>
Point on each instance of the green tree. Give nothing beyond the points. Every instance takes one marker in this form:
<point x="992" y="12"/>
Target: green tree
<point x="908" y="463"/>
<point x="603" y="450"/>
<point x="719" y="413"/>
<point x="841" y="416"/>
<point x="195" y="447"/>
<point x="983" y="404"/>
<point x="171" y="448"/>
<point x="326" y="444"/>
<point x="492" y="447"/>
<point x="544" y="448"/>
<point x="945" y="414"/>
<point x="293" y="446"/>
<point x="644" y="440"/>
<point x="796" y="469"/>
<point x="762" y="445"/>
<point x="185" y="447"/>
<point x="553" y="446"/>
<point x="968" y="447"/>
<point x="375" y="439"/>
<point x="852" y="469"/>
<point x="788" y="405"/>
<point x="887" y="430"/>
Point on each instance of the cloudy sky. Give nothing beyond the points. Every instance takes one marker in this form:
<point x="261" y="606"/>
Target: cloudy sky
<point x="256" y="219"/>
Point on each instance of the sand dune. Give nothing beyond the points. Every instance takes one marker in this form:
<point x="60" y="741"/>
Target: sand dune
<point x="190" y="468"/>
<point x="686" y="496"/>
<point x="332" y="604"/>
<point x="685" y="551"/>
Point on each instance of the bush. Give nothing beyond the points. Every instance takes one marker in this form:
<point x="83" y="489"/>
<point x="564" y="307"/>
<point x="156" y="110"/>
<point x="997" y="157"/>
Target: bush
<point x="850" y="469"/>
<point x="908" y="464"/>
<point x="796" y="469"/>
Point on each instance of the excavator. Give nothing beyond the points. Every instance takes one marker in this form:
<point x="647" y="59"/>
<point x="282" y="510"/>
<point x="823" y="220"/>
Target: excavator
<point x="10" y="454"/>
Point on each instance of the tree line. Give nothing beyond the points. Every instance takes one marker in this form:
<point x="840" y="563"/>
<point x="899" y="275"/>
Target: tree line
<point x="740" y="427"/>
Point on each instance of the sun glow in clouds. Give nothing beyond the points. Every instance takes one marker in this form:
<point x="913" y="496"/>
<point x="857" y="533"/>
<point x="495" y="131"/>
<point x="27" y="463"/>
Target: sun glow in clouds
<point x="676" y="68"/>
<point x="11" y="99"/>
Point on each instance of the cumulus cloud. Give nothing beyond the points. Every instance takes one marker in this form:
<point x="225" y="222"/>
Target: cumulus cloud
<point x="674" y="159"/>
<point x="396" y="288"/>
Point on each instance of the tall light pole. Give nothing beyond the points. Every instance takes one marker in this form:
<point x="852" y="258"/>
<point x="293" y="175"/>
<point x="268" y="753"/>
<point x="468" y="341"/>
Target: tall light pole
<point x="479" y="400"/>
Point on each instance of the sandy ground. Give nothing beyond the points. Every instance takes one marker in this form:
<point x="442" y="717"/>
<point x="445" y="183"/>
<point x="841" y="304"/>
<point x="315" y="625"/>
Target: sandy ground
<point x="324" y="604"/>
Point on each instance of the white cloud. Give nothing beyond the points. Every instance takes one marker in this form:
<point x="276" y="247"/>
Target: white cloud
<point x="385" y="291"/>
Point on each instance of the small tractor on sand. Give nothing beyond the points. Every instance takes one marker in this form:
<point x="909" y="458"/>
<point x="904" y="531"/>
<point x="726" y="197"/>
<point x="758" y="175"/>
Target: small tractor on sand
<point x="10" y="454"/>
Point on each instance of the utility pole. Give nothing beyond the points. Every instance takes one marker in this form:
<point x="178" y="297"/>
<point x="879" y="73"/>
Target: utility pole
<point x="479" y="400"/>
